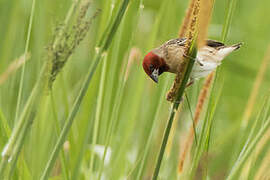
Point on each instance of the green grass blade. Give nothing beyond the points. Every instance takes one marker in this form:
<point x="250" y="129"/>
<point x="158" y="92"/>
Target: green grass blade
<point x="83" y="91"/>
<point x="204" y="140"/>
<point x="149" y="139"/>
<point x="228" y="20"/>
<point x="98" y="112"/>
<point x="82" y="148"/>
<point x="64" y="164"/>
<point x="4" y="124"/>
<point x="245" y="155"/>
<point x="192" y="119"/>
<point x="174" y="107"/>
<point x="8" y="150"/>
<point x="7" y="131"/>
<point x="25" y="54"/>
<point x="9" y="147"/>
<point x="19" y="145"/>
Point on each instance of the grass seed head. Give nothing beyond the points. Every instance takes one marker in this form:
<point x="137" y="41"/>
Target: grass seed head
<point x="65" y="40"/>
<point x="13" y="67"/>
<point x="190" y="32"/>
<point x="204" y="19"/>
<point x="184" y="27"/>
<point x="134" y="56"/>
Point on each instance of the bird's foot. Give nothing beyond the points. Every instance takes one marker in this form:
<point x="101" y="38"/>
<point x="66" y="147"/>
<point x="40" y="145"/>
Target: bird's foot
<point x="190" y="83"/>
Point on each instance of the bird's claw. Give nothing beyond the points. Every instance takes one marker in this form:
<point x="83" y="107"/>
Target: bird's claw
<point x="190" y="83"/>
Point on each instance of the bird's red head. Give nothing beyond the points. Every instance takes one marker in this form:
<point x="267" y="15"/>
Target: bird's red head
<point x="154" y="66"/>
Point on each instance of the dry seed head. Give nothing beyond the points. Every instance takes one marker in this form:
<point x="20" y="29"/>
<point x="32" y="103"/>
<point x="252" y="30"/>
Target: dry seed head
<point x="134" y="56"/>
<point x="13" y="67"/>
<point x="186" y="21"/>
<point x="193" y="25"/>
<point x="204" y="20"/>
<point x="171" y="95"/>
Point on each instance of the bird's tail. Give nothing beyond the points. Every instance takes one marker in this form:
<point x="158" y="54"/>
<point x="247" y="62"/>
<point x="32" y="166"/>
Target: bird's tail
<point x="237" y="46"/>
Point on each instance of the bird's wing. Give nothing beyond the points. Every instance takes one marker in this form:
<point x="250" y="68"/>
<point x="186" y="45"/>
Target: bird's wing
<point x="182" y="41"/>
<point x="214" y="44"/>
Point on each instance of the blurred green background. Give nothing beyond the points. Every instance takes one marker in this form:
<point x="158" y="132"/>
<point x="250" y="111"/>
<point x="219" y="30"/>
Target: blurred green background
<point x="130" y="102"/>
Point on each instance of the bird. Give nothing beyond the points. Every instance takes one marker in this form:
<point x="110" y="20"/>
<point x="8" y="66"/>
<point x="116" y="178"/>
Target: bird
<point x="170" y="55"/>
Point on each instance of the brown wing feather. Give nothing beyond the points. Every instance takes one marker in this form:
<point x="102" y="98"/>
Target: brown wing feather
<point x="177" y="41"/>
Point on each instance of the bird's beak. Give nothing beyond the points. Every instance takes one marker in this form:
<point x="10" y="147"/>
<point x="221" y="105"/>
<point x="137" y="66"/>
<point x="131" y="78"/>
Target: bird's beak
<point x="154" y="75"/>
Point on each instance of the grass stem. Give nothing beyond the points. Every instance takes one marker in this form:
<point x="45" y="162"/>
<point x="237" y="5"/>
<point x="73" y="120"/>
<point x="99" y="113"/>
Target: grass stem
<point x="249" y="150"/>
<point x="25" y="57"/>
<point x="8" y="150"/>
<point x="174" y="108"/>
<point x="77" y="104"/>
<point x="98" y="112"/>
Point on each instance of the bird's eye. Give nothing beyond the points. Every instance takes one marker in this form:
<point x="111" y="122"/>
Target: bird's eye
<point x="151" y="67"/>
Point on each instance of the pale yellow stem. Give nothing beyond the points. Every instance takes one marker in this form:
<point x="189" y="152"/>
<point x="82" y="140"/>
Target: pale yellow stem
<point x="255" y="89"/>
<point x="16" y="64"/>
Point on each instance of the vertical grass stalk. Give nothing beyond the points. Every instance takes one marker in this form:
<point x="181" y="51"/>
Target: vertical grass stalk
<point x="249" y="150"/>
<point x="25" y="56"/>
<point x="149" y="139"/>
<point x="255" y="90"/>
<point x="199" y="108"/>
<point x="98" y="112"/>
<point x="8" y="150"/>
<point x="101" y="50"/>
<point x="63" y="160"/>
<point x="174" y="107"/>
<point x="18" y="147"/>
<point x="176" y="93"/>
<point x="228" y="19"/>
<point x="9" y="147"/>
<point x="37" y="91"/>
<point x="208" y="82"/>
